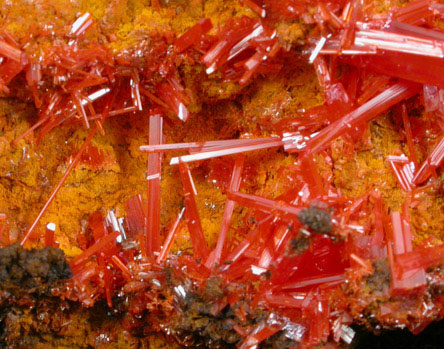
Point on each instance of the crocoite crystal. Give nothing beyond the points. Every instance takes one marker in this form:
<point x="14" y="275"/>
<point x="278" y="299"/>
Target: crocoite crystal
<point x="302" y="281"/>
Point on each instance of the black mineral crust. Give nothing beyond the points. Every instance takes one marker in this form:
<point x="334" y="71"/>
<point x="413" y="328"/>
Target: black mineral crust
<point x="300" y="244"/>
<point x="27" y="269"/>
<point x="381" y="277"/>
<point x="316" y="219"/>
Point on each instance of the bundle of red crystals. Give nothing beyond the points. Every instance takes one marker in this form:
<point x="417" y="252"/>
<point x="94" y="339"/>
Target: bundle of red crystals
<point x="390" y="58"/>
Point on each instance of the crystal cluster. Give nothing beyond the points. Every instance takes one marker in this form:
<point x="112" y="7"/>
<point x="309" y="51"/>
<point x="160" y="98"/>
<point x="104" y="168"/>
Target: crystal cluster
<point x="308" y="260"/>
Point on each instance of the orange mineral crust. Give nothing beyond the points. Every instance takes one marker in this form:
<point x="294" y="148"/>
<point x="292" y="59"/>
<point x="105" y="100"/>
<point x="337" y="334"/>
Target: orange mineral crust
<point x="219" y="173"/>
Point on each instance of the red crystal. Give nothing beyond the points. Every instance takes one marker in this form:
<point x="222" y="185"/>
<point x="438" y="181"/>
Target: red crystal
<point x="97" y="225"/>
<point x="420" y="69"/>
<point x="152" y="232"/>
<point x="286" y="300"/>
<point x="409" y="135"/>
<point x="323" y="263"/>
<point x="403" y="172"/>
<point x="153" y="98"/>
<point x="98" y="246"/>
<point x="372" y="86"/>
<point x="135" y="92"/>
<point x="71" y="166"/>
<point x="251" y="66"/>
<point x="336" y="94"/>
<point x="169" y="240"/>
<point x="322" y="72"/>
<point x="255" y="7"/>
<point x="123" y="268"/>
<point x="399" y="242"/>
<point x="364" y="266"/>
<point x="399" y="42"/>
<point x="241" y="37"/>
<point x="433" y="161"/>
<point x="191" y="213"/>
<point x="398" y="234"/>
<point x="10" y="52"/>
<point x="319" y="329"/>
<point x="76" y="97"/>
<point x="192" y="35"/>
<point x="415" y="12"/>
<point x="364" y="113"/>
<point x="314" y="280"/>
<point x="135" y="210"/>
<point x="431" y="98"/>
<point x="254" y="339"/>
<point x="49" y="235"/>
<point x="173" y="94"/>
<point x="94" y="157"/>
<point x="422" y="257"/>
<point x="290" y="9"/>
<point x="263" y="204"/>
<point x="229" y="150"/>
<point x="378" y="236"/>
<point x="10" y="70"/>
<point x="235" y="182"/>
<point x="311" y="176"/>
<point x="198" y="147"/>
<point x="81" y="25"/>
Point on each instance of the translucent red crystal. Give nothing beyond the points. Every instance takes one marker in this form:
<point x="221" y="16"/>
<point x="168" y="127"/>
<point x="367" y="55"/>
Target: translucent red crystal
<point x="98" y="246"/>
<point x="263" y="204"/>
<point x="135" y="92"/>
<point x="70" y="167"/>
<point x="415" y="12"/>
<point x="433" y="161"/>
<point x="425" y="70"/>
<point x="323" y="264"/>
<point x="169" y="240"/>
<point x="80" y="108"/>
<point x="398" y="42"/>
<point x="197" y="147"/>
<point x="255" y="7"/>
<point x="192" y="217"/>
<point x="288" y="9"/>
<point x="152" y="231"/>
<point x="136" y="217"/>
<point x="49" y="235"/>
<point x="287" y="300"/>
<point x="173" y="94"/>
<point x="192" y="35"/>
<point x="322" y="72"/>
<point x="422" y="257"/>
<point x="235" y="182"/>
<point x="10" y="69"/>
<point x="259" y="336"/>
<point x="364" y="113"/>
<point x="10" y="51"/>
<point x="123" y="268"/>
<point x="409" y="135"/>
<point x="257" y="144"/>
<point x="402" y="169"/>
<point x="398" y="238"/>
<point x="399" y="242"/>
<point x="239" y="37"/>
<point x="319" y="329"/>
<point x="81" y="25"/>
